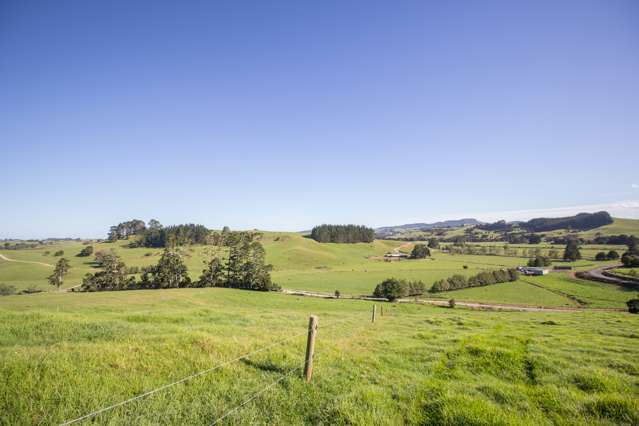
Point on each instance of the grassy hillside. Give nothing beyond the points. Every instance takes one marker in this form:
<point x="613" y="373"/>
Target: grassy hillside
<point x="303" y="264"/>
<point x="65" y="355"/>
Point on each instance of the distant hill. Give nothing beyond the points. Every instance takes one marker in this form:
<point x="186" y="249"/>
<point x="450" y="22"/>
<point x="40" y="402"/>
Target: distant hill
<point x="386" y="231"/>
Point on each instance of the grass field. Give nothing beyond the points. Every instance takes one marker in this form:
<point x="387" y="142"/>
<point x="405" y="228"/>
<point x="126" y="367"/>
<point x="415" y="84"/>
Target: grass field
<point x="64" y="355"/>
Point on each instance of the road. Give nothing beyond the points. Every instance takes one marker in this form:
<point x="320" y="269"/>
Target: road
<point x="597" y="274"/>
<point x="5" y="258"/>
<point x="470" y="305"/>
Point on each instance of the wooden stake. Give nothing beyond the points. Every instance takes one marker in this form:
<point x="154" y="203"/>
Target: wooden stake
<point x="374" y="312"/>
<point x="310" y="347"/>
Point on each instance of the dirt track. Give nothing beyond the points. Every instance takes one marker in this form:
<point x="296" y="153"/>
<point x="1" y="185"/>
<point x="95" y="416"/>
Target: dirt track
<point x="3" y="257"/>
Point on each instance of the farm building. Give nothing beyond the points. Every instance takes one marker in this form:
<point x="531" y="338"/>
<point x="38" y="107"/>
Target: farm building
<point x="530" y="270"/>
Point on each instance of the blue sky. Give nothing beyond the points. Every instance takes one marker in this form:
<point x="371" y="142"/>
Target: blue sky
<point x="281" y="115"/>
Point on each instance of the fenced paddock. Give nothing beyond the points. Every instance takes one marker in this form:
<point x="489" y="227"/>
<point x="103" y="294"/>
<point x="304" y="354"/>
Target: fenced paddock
<point x="67" y="355"/>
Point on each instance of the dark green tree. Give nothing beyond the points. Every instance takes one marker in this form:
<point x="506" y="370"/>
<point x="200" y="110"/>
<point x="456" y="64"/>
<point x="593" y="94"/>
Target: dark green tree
<point x="571" y="252"/>
<point x="433" y="243"/>
<point x="601" y="256"/>
<point x="612" y="255"/>
<point x="213" y="275"/>
<point x="391" y="289"/>
<point x="170" y="272"/>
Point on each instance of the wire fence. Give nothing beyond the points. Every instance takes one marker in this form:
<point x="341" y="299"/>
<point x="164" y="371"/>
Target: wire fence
<point x="195" y="375"/>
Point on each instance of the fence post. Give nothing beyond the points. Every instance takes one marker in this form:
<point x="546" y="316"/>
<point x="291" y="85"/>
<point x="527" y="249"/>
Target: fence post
<point x="310" y="347"/>
<point x="374" y="312"/>
<point x="381" y="310"/>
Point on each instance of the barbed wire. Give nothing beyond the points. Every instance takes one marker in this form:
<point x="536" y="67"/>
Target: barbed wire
<point x="195" y="375"/>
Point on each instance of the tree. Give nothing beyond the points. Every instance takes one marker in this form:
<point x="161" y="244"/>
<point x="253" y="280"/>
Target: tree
<point x="61" y="269"/>
<point x="113" y="275"/>
<point x="451" y="303"/>
<point x="86" y="251"/>
<point x="170" y="272"/>
<point x="612" y="255"/>
<point x="391" y="289"/>
<point x="539" y="261"/>
<point x="213" y="275"/>
<point x="420" y="251"/>
<point x="433" y="243"/>
<point x="338" y="294"/>
<point x="154" y="224"/>
<point x="571" y="252"/>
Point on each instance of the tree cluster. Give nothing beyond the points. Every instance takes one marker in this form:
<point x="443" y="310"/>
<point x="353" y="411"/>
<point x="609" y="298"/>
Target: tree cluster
<point x="393" y="289"/>
<point x="457" y="281"/>
<point x="122" y="231"/>
<point x="420" y="251"/>
<point x="611" y="255"/>
<point x="342" y="234"/>
<point x="172" y="236"/>
<point x="245" y="268"/>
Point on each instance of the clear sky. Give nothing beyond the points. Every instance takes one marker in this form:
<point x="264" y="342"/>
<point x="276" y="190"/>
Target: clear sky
<point x="285" y="114"/>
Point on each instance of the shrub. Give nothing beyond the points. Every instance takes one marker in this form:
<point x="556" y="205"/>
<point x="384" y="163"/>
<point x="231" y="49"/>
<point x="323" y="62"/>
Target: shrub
<point x="86" y="251"/>
<point x="59" y="253"/>
<point x="451" y="303"/>
<point x="601" y="256"/>
<point x="7" y="290"/>
<point x="633" y="306"/>
<point x="465" y="266"/>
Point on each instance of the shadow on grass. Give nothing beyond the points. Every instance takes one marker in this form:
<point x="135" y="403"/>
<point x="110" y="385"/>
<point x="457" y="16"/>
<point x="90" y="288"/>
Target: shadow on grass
<point x="267" y="366"/>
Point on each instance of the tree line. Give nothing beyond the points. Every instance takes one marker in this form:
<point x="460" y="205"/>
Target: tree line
<point x="342" y="234"/>
<point x="484" y="278"/>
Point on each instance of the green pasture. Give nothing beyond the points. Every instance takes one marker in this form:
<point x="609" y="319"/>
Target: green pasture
<point x="65" y="355"/>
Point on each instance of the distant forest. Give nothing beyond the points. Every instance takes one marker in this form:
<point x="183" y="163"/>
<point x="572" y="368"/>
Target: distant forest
<point x="342" y="234"/>
<point x="579" y="222"/>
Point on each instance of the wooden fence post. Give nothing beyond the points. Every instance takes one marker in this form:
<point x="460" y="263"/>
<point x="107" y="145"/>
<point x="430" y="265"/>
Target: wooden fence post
<point x="310" y="347"/>
<point x="374" y="312"/>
